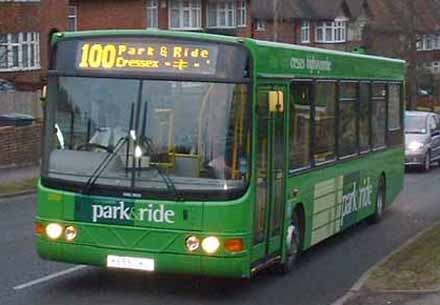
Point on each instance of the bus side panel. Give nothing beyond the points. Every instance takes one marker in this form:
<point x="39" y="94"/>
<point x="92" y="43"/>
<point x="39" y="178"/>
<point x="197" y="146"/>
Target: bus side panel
<point x="339" y="195"/>
<point x="395" y="175"/>
<point x="50" y="204"/>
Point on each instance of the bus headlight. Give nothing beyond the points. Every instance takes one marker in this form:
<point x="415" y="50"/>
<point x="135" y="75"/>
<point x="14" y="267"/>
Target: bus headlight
<point x="192" y="243"/>
<point x="210" y="244"/>
<point x="70" y="233"/>
<point x="54" y="230"/>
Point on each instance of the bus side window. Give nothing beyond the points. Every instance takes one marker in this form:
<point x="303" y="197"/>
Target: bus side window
<point x="347" y="119"/>
<point x="325" y="122"/>
<point x="394" y="131"/>
<point x="379" y="115"/>
<point x="364" y="117"/>
<point x="300" y="124"/>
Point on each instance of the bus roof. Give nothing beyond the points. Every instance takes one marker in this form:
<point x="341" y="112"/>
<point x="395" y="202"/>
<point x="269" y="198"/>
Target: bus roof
<point x="148" y="32"/>
<point x="323" y="51"/>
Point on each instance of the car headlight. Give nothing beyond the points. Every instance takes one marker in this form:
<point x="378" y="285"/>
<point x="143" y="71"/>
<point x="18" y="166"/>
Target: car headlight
<point x="414" y="146"/>
<point x="210" y="244"/>
<point x="54" y="230"/>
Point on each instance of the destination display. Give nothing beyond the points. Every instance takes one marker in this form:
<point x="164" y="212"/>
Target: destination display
<point x="137" y="56"/>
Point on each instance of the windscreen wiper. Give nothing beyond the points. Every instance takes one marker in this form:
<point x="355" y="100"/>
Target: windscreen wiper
<point x="165" y="177"/>
<point x="106" y="161"/>
<point x="103" y="165"/>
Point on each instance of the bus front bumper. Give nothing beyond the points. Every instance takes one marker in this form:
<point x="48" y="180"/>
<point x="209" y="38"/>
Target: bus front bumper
<point x="234" y="267"/>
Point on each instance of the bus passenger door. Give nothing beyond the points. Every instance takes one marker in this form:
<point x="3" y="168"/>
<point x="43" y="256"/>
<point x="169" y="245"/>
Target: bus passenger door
<point x="270" y="172"/>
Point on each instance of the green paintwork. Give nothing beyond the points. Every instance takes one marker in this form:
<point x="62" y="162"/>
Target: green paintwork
<point x="320" y="191"/>
<point x="278" y="57"/>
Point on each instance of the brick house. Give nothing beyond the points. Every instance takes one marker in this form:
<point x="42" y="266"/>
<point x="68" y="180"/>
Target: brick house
<point x="410" y="30"/>
<point x="326" y="24"/>
<point x="25" y="26"/>
<point x="229" y="17"/>
<point x="246" y="18"/>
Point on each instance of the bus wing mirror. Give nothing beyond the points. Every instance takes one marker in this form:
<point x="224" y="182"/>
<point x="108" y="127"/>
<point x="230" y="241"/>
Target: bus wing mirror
<point x="276" y="101"/>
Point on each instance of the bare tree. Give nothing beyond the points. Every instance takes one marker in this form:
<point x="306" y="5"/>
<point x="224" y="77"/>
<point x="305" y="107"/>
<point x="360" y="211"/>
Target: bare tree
<point x="275" y="12"/>
<point x="397" y="32"/>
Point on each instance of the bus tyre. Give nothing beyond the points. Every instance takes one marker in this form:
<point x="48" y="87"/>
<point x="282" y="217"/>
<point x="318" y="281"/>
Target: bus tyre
<point x="293" y="242"/>
<point x="380" y="203"/>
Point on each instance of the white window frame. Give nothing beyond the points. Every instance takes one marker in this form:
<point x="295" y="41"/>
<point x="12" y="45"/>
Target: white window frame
<point x="4" y="54"/>
<point x="260" y="25"/>
<point x="222" y="10"/>
<point x="20" y="0"/>
<point x="14" y="45"/>
<point x="194" y="11"/>
<point x="435" y="67"/>
<point x="305" y="31"/>
<point x="242" y="13"/>
<point x="152" y="14"/>
<point x="73" y="14"/>
<point x="331" y="31"/>
<point x="31" y="42"/>
<point x="429" y="42"/>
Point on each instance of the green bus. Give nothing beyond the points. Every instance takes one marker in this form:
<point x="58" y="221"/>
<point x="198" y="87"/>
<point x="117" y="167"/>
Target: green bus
<point x="177" y="152"/>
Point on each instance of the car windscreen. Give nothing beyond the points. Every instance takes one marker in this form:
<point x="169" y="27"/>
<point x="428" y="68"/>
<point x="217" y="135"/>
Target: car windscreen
<point x="415" y="124"/>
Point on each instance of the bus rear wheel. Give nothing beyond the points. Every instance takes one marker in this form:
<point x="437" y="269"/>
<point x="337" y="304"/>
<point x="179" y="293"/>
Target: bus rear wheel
<point x="380" y="203"/>
<point x="293" y="242"/>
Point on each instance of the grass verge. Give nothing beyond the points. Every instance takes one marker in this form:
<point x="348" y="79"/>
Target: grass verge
<point x="28" y="184"/>
<point x="415" y="267"/>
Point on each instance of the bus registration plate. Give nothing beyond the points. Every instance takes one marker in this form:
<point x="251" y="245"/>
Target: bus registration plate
<point x="126" y="262"/>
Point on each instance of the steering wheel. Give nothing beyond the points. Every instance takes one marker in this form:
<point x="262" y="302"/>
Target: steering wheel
<point x="90" y="146"/>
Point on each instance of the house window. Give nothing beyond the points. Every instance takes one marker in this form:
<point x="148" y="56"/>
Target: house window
<point x="434" y="67"/>
<point x="260" y="25"/>
<point x="241" y="13"/>
<point x="14" y="50"/>
<point x="429" y="42"/>
<point x="19" y="51"/>
<point x="73" y="18"/>
<point x="305" y="32"/>
<point x="185" y="14"/>
<point x="152" y="13"/>
<point x="331" y="32"/>
<point x="339" y="30"/>
<point x="3" y="51"/>
<point x="221" y="14"/>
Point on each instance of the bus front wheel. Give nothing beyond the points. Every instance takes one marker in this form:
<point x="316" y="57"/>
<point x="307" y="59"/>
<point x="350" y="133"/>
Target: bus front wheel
<point x="293" y="242"/>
